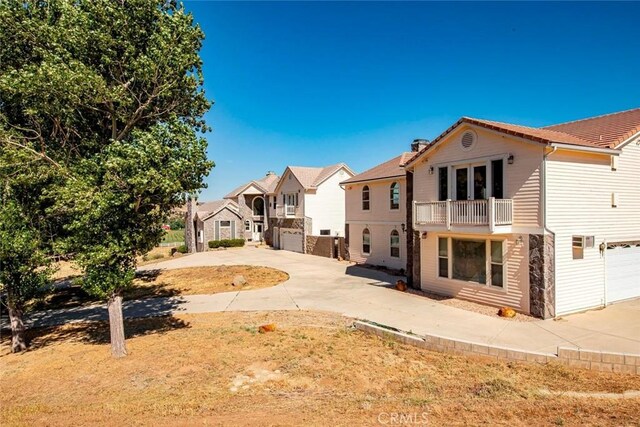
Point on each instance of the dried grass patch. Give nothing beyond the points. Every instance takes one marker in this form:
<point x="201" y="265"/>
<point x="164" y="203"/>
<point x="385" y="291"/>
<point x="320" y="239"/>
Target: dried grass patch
<point x="203" y="280"/>
<point x="166" y="283"/>
<point x="314" y="369"/>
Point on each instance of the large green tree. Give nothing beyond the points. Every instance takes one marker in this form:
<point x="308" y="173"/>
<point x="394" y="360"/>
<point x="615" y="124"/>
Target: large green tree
<point x="26" y="240"/>
<point x="110" y="94"/>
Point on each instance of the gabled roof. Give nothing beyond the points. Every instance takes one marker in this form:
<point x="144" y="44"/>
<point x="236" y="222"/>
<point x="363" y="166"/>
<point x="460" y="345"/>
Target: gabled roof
<point x="602" y="132"/>
<point x="310" y="177"/>
<point x="389" y="169"/>
<point x="266" y="184"/>
<point x="608" y="131"/>
<point x="208" y="209"/>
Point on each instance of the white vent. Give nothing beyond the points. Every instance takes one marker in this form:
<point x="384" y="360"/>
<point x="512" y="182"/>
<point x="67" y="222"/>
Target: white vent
<point x="467" y="140"/>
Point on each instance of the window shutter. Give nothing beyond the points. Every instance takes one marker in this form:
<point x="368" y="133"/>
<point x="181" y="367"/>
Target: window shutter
<point x="216" y="234"/>
<point x="233" y="229"/>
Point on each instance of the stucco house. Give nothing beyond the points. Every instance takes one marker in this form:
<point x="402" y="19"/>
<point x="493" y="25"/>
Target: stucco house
<point x="306" y="204"/>
<point x="376" y="213"/>
<point x="544" y="220"/>
<point x="251" y="199"/>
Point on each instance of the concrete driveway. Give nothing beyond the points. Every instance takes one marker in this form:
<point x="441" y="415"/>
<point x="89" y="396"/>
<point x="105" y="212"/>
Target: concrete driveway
<point x="323" y="284"/>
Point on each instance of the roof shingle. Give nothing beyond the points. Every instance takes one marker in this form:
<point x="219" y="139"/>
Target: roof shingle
<point x="605" y="131"/>
<point x="389" y="169"/>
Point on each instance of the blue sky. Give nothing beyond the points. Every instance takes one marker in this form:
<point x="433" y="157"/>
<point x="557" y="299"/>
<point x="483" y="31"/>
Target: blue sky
<point x="316" y="83"/>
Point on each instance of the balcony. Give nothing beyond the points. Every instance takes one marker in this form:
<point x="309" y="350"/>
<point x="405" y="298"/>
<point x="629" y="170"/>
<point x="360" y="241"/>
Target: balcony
<point x="492" y="215"/>
<point x="288" y="211"/>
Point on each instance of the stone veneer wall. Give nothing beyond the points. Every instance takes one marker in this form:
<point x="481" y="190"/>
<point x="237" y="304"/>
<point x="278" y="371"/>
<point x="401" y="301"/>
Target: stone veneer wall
<point x="542" y="276"/>
<point x="413" y="239"/>
<point x="324" y="246"/>
<point x="297" y="223"/>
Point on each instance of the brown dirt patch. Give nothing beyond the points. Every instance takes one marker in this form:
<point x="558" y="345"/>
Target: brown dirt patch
<point x="313" y="370"/>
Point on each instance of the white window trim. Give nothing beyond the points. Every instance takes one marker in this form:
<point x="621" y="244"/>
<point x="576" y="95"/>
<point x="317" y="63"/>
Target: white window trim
<point x="487" y="285"/>
<point x="399" y="245"/>
<point x="470" y="163"/>
<point x="362" y="198"/>
<point x="399" y="196"/>
<point x="362" y="241"/>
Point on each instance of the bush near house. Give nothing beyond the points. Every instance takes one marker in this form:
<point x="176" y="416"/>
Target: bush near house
<point x="182" y="249"/>
<point x="227" y="243"/>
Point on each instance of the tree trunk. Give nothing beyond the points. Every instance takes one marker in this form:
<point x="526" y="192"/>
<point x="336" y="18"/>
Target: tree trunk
<point x="116" y="325"/>
<point x="18" y="341"/>
<point x="189" y="232"/>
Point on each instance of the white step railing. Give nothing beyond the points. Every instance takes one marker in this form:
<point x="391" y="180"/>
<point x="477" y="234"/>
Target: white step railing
<point x="491" y="212"/>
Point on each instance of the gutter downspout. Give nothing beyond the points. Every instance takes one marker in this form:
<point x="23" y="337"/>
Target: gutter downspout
<point x="544" y="224"/>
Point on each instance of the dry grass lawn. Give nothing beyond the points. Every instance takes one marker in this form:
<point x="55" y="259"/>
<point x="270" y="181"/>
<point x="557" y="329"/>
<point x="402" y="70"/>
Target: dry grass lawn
<point x="203" y="280"/>
<point x="165" y="283"/>
<point x="215" y="369"/>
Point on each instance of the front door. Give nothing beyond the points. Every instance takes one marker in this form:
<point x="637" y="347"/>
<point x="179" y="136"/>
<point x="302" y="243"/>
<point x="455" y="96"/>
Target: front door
<point x="257" y="231"/>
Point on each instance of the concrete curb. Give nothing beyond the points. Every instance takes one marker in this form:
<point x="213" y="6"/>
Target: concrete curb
<point x="579" y="358"/>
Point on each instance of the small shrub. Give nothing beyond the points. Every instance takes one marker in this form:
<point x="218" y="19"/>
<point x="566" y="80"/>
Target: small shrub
<point x="176" y="224"/>
<point x="226" y="243"/>
<point x="182" y="249"/>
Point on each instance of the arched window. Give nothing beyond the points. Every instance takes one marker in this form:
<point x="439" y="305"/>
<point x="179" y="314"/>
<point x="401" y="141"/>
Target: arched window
<point x="394" y="244"/>
<point x="258" y="206"/>
<point x="366" y="241"/>
<point x="394" y="193"/>
<point x="365" y="198"/>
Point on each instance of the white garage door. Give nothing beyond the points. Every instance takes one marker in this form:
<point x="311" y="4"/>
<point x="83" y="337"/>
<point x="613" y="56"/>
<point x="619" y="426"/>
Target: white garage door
<point x="623" y="272"/>
<point x="291" y="240"/>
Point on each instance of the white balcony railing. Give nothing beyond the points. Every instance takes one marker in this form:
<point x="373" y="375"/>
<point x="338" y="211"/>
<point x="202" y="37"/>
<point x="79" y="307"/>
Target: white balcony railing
<point x="287" y="211"/>
<point x="492" y="212"/>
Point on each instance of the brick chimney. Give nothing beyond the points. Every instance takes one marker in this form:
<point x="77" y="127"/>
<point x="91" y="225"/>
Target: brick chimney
<point x="419" y="144"/>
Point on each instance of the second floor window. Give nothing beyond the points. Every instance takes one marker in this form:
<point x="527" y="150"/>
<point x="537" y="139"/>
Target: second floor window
<point x="365" y="198"/>
<point x="394" y="193"/>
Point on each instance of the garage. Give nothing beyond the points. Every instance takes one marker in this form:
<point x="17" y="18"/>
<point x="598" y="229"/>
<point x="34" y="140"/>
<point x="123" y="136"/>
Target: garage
<point x="291" y="239"/>
<point x="623" y="271"/>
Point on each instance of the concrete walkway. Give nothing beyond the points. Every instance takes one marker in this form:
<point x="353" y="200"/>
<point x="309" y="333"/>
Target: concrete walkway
<point x="323" y="284"/>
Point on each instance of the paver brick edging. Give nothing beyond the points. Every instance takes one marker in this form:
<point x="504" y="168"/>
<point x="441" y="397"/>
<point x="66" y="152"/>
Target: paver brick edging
<point x="586" y="359"/>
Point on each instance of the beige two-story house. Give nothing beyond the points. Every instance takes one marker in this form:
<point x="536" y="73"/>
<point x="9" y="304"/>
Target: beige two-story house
<point x="307" y="203"/>
<point x="376" y="214"/>
<point x="544" y="220"/>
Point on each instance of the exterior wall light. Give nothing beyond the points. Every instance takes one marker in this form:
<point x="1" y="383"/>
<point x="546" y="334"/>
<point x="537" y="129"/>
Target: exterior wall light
<point x="510" y="159"/>
<point x="404" y="227"/>
<point x="430" y="170"/>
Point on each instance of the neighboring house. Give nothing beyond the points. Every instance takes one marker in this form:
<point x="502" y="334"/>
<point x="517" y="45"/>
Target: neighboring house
<point x="217" y="220"/>
<point x="544" y="220"/>
<point x="251" y="199"/>
<point x="376" y="214"/>
<point x="306" y="204"/>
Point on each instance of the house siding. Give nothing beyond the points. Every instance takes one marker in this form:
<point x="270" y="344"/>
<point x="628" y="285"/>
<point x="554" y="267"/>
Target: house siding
<point x="380" y="246"/>
<point x="380" y="219"/>
<point x="522" y="179"/>
<point x="516" y="292"/>
<point x="579" y="188"/>
<point x="522" y="183"/>
<point x="326" y="205"/>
